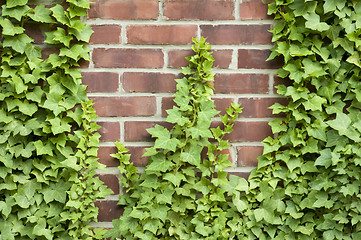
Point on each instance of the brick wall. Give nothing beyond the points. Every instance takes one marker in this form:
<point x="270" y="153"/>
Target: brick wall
<point x="138" y="47"/>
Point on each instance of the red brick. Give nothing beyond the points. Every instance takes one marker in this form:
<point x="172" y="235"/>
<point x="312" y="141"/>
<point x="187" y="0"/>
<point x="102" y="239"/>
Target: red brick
<point x="221" y="104"/>
<point x="125" y="106"/>
<point x="253" y="10"/>
<point x="255" y="58"/>
<point x="199" y="9"/>
<point x="109" y="131"/>
<point x="101" y="81"/>
<point x="35" y="32"/>
<point x="128" y="58"/>
<point x="148" y="82"/>
<point x="106" y="34"/>
<point x="111" y="181"/>
<point x="237" y="34"/>
<point x="223" y="58"/>
<point x="255" y="107"/>
<point x="164" y="34"/>
<point x="137" y="131"/>
<point x="247" y="155"/>
<point x="105" y="158"/>
<point x="125" y="9"/>
<point x="108" y="210"/>
<point x="254" y="131"/>
<point x="241" y="83"/>
<point x="136" y="156"/>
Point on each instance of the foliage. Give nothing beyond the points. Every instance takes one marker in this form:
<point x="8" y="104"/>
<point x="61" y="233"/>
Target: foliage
<point x="48" y="143"/>
<point x="183" y="193"/>
<point x="307" y="184"/>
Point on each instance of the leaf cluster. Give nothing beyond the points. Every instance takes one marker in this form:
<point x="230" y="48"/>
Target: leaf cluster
<point x="184" y="192"/>
<point x="307" y="184"/>
<point x="48" y="139"/>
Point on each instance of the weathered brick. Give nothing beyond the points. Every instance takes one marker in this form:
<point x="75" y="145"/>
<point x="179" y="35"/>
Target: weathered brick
<point x="105" y="158"/>
<point x="247" y="155"/>
<point x="221" y="104"/>
<point x="240" y="83"/>
<point x="244" y="175"/>
<point x="127" y="58"/>
<point x="108" y="210"/>
<point x="35" y="32"/>
<point x="199" y="9"/>
<point x="237" y="34"/>
<point x="101" y="81"/>
<point x="253" y="131"/>
<point x="148" y="82"/>
<point x="136" y="156"/>
<point x="124" y="9"/>
<point x="223" y="58"/>
<point x="256" y="58"/>
<point x="161" y="34"/>
<point x="111" y="181"/>
<point x="255" y="107"/>
<point x="109" y="131"/>
<point x="253" y="10"/>
<point x="136" y="131"/>
<point x="125" y="106"/>
<point x="106" y="34"/>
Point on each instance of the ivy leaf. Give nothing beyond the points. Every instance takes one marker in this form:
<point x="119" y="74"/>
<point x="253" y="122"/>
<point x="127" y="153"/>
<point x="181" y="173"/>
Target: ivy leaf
<point x="16" y="13"/>
<point x="159" y="212"/>
<point x="313" y="22"/>
<point x="341" y="123"/>
<point x="159" y="163"/>
<point x="15" y="3"/>
<point x="325" y="158"/>
<point x="41" y="14"/>
<point x="314" y="103"/>
<point x="175" y="178"/>
<point x="332" y="5"/>
<point x="43" y="149"/>
<point x="18" y="43"/>
<point x="9" y="28"/>
<point x="175" y="116"/>
<point x="60" y="14"/>
<point x="193" y="155"/>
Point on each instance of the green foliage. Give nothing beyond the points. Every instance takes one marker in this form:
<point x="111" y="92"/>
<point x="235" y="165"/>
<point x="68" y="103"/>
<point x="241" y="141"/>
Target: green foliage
<point x="48" y="139"/>
<point x="184" y="192"/>
<point x="307" y="184"/>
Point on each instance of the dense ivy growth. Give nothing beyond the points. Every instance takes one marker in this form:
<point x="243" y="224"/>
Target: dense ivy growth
<point x="48" y="143"/>
<point x="183" y="194"/>
<point x="307" y="184"/>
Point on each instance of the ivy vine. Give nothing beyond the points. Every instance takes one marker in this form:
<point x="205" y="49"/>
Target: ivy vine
<point x="48" y="138"/>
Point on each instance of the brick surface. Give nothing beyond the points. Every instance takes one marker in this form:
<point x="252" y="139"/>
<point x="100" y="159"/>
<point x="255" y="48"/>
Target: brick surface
<point x="259" y="107"/>
<point x="148" y="82"/>
<point x="223" y="58"/>
<point x="111" y="181"/>
<point x="35" y="32"/>
<point x="255" y="58"/>
<point x="280" y="81"/>
<point x="105" y="158"/>
<point x="164" y="34"/>
<point x="247" y="155"/>
<point x="106" y="34"/>
<point x="101" y="81"/>
<point x="244" y="175"/>
<point x="237" y="34"/>
<point x="253" y="10"/>
<point x="240" y="83"/>
<point x="136" y="156"/>
<point x="109" y="131"/>
<point x="253" y="131"/>
<point x="199" y="9"/>
<point x="124" y="106"/>
<point x="124" y="9"/>
<point x="108" y="210"/>
<point x="127" y="58"/>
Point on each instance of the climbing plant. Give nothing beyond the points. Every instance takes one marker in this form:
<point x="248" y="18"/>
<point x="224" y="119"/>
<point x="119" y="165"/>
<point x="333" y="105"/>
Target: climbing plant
<point x="307" y="184"/>
<point x="184" y="191"/>
<point x="48" y="138"/>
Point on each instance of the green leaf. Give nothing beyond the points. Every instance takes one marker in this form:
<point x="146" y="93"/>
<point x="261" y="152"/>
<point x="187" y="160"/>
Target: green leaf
<point x="341" y="123"/>
<point x="17" y="12"/>
<point x="314" y="103"/>
<point x="159" y="163"/>
<point x="324" y="159"/>
<point x="14" y="3"/>
<point x="313" y="22"/>
<point x="41" y="14"/>
<point x="43" y="149"/>
<point x="18" y="43"/>
<point x="9" y="28"/>
<point x="193" y="155"/>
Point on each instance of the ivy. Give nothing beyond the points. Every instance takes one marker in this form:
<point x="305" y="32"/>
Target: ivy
<point x="184" y="192"/>
<point x="48" y="138"/>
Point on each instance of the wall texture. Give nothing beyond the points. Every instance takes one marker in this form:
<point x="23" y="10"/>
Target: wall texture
<point x="138" y="47"/>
